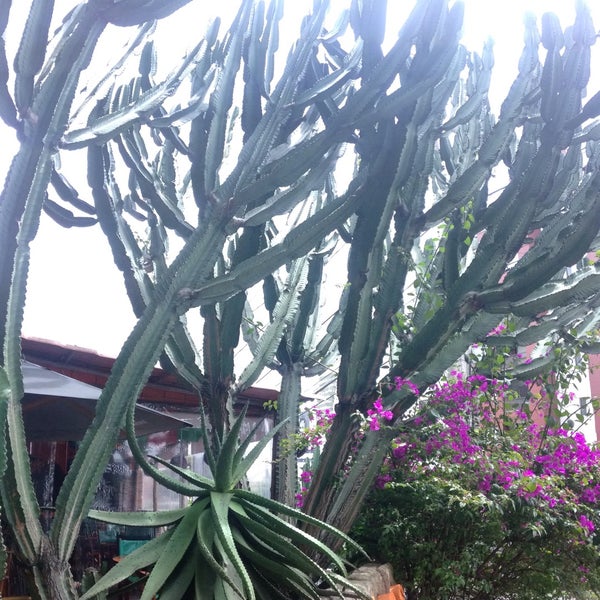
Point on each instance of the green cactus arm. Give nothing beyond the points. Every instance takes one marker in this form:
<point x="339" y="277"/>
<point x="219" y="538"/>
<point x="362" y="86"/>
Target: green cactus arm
<point x="298" y="241"/>
<point x="105" y="127"/>
<point x="222" y="97"/>
<point x="8" y="110"/>
<point x="285" y="478"/>
<point x="32" y="533"/>
<point x="284" y="200"/>
<point x="578" y="287"/>
<point x="285" y="310"/>
<point x="256" y="148"/>
<point x="134" y="12"/>
<point x="473" y="105"/>
<point x="130" y="371"/>
<point x="195" y="106"/>
<point x="31" y="52"/>
<point x="132" y="152"/>
<point x="143" y="32"/>
<point x="330" y="83"/>
<point x="304" y="327"/>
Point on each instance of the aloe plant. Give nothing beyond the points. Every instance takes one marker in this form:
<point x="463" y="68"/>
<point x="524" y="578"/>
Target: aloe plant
<point x="276" y="171"/>
<point x="229" y="542"/>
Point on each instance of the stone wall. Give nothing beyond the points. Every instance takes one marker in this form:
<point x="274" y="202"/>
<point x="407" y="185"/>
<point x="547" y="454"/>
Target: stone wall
<point x="377" y="581"/>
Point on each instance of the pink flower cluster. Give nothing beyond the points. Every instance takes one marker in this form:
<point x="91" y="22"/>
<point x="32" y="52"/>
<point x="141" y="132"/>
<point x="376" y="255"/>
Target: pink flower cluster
<point x="472" y="435"/>
<point x="376" y="414"/>
<point x="305" y="479"/>
<point x="315" y="435"/>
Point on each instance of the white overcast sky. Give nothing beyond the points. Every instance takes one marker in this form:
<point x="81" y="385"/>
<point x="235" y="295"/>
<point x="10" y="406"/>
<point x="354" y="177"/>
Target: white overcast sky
<point x="76" y="296"/>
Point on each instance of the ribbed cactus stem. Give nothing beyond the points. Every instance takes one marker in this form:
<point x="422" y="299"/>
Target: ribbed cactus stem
<point x="286" y="479"/>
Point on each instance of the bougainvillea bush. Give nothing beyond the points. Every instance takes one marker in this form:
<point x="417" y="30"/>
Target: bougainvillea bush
<point x="481" y="499"/>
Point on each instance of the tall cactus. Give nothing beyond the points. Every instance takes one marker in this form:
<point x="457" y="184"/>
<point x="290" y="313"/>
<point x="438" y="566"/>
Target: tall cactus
<point x="260" y="166"/>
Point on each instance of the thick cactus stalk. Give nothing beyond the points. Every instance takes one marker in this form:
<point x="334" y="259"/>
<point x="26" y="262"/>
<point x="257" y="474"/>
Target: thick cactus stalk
<point x="286" y="467"/>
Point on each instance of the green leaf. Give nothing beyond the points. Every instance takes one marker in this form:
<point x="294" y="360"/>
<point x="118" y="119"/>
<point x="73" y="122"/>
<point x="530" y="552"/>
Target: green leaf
<point x="146" y="555"/>
<point x="175" y="550"/>
<point x="220" y="509"/>
<point x="139" y="519"/>
<point x="279" y="548"/>
<point x="205" y="532"/>
<point x="274" y="570"/>
<point x="244" y="463"/>
<point x="202" y="482"/>
<point x="297" y="536"/>
<point x="223" y="474"/>
<point x="277" y="507"/>
<point x="178" y="583"/>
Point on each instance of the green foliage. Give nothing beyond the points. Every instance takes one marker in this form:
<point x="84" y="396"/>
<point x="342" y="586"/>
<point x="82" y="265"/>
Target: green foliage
<point x="491" y="492"/>
<point x="447" y="541"/>
<point x="229" y="542"/>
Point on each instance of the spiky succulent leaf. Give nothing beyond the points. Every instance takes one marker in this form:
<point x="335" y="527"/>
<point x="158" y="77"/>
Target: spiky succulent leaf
<point x="176" y="549"/>
<point x="144" y="556"/>
<point x="139" y="519"/>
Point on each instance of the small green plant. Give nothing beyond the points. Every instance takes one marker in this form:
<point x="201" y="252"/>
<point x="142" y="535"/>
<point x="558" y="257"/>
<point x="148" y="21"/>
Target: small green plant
<point x="229" y="542"/>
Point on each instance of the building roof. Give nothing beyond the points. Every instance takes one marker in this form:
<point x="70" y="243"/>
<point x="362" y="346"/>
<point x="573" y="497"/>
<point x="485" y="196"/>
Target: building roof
<point x="90" y="367"/>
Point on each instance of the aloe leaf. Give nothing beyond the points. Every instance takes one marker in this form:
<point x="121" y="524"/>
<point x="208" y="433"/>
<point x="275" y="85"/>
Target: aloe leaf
<point x="276" y="532"/>
<point x="144" y="556"/>
<point x="176" y="548"/>
<point x="179" y="582"/>
<point x="220" y="510"/>
<point x="203" y="483"/>
<point x="277" y="571"/>
<point x="205" y="576"/>
<point x="223" y="474"/>
<point x="224" y="591"/>
<point x="264" y="589"/>
<point x="277" y="507"/>
<point x="244" y="462"/>
<point x="205" y="535"/>
<point x="270" y="543"/>
<point x="287" y="530"/>
<point x="138" y="519"/>
<point x="347" y="585"/>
